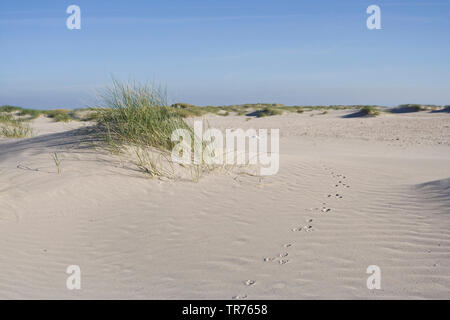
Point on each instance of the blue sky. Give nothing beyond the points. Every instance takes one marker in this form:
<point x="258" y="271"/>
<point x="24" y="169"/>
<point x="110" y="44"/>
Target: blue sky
<point x="227" y="52"/>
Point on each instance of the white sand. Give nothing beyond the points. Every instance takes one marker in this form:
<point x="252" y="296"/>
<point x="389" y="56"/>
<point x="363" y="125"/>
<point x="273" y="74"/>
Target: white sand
<point x="140" y="238"/>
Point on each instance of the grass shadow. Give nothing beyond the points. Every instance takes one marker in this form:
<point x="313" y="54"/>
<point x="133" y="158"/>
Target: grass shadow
<point x="408" y="108"/>
<point x="357" y="114"/>
<point x="76" y="139"/>
<point x="366" y="111"/>
<point x="445" y="109"/>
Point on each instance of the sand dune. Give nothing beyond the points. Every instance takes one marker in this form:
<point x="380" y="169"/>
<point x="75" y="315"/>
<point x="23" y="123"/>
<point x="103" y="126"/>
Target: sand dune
<point x="351" y="192"/>
<point x="438" y="190"/>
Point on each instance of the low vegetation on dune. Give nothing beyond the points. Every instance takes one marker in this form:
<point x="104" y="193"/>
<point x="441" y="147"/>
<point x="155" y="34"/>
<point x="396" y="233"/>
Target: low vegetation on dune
<point x="259" y="110"/>
<point x="20" y="113"/>
<point x="14" y="121"/>
<point x="404" y="108"/>
<point x="136" y="118"/>
<point x="444" y="109"/>
<point x="365" y="111"/>
<point x="12" y="128"/>
<point x="268" y="111"/>
<point x="58" y="115"/>
<point x="140" y="114"/>
<point x="187" y="110"/>
<point x="372" y="111"/>
<point x="137" y="114"/>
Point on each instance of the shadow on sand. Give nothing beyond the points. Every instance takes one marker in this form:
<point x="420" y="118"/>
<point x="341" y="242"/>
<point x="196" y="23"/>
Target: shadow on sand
<point x="436" y="190"/>
<point x="254" y="114"/>
<point x="357" y="114"/>
<point x="76" y="139"/>
<point x="86" y="140"/>
<point x="405" y="110"/>
<point x="446" y="109"/>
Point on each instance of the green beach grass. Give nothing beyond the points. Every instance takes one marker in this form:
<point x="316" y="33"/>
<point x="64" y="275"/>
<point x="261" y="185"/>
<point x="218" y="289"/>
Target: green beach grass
<point x="12" y="128"/>
<point x="372" y="111"/>
<point x="136" y="117"/>
<point x="137" y="114"/>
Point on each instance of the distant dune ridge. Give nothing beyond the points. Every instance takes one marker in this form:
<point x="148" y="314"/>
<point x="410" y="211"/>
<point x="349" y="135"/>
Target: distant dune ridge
<point x="351" y="192"/>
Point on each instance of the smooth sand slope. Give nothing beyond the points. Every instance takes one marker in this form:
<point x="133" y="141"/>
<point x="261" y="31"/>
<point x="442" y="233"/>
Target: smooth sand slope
<point x="351" y="192"/>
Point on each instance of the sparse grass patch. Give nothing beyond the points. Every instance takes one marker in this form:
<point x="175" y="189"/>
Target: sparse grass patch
<point x="186" y="110"/>
<point x="9" y="109"/>
<point x="405" y="108"/>
<point x="6" y="118"/>
<point x="11" y="128"/>
<point x="239" y="110"/>
<point x="19" y="131"/>
<point x="408" y="108"/>
<point x="86" y="114"/>
<point x="370" y="111"/>
<point x="269" y="111"/>
<point x="57" y="161"/>
<point x="154" y="163"/>
<point x="23" y="114"/>
<point x="264" y="109"/>
<point x="59" y="115"/>
<point x="30" y="113"/>
<point x="191" y="112"/>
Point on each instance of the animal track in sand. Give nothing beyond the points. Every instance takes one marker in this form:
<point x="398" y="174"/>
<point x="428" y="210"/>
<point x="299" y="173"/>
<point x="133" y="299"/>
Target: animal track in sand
<point x="249" y="282"/>
<point x="306" y="228"/>
<point x="282" y="257"/>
